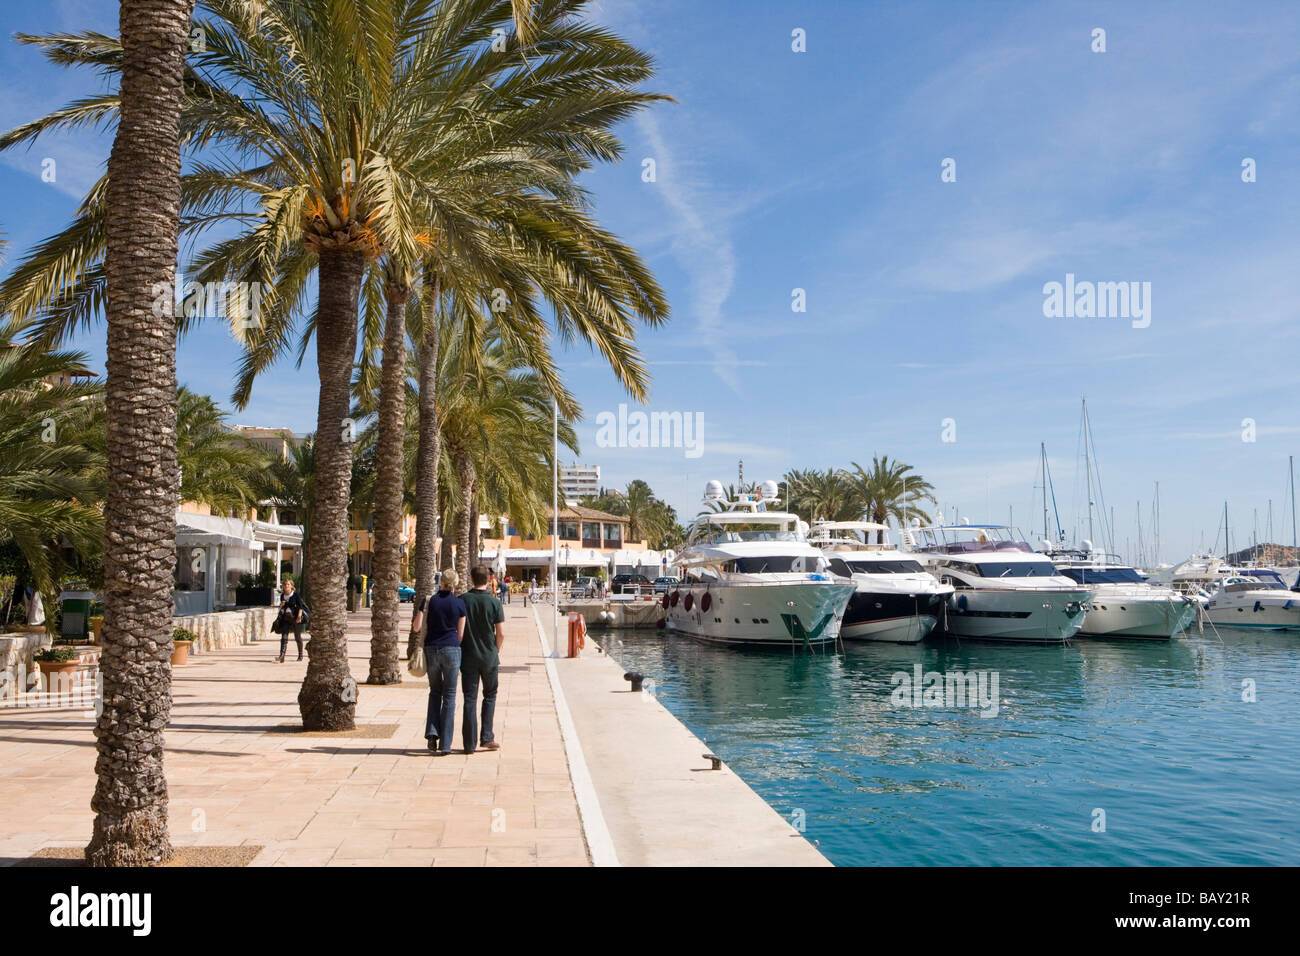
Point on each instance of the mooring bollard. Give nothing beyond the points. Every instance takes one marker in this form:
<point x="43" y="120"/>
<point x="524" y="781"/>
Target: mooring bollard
<point x="636" y="680"/>
<point x="715" y="759"/>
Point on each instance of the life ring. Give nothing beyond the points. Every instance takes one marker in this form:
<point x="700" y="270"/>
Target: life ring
<point x="706" y="602"/>
<point x="664" y="601"/>
<point x="688" y="602"/>
<point x="676" y="595"/>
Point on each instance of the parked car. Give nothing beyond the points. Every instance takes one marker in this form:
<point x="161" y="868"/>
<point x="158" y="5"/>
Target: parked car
<point x="665" y="584"/>
<point x="585" y="587"/>
<point x="405" y="593"/>
<point x="628" y="584"/>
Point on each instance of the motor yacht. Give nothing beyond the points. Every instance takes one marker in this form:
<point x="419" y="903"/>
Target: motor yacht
<point x="896" y="600"/>
<point x="750" y="577"/>
<point x="1124" y="604"/>
<point x="1003" y="589"/>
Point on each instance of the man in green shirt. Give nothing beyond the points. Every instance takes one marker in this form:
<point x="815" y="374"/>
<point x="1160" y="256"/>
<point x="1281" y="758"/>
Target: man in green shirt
<point x="484" y="636"/>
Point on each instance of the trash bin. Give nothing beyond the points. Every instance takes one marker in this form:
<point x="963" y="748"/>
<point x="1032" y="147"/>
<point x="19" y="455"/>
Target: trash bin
<point x="76" y="614"/>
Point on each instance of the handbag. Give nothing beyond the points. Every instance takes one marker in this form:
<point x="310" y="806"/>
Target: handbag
<point x="415" y="662"/>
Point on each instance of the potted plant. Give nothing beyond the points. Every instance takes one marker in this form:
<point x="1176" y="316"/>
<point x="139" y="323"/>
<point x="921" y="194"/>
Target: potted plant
<point x="182" y="639"/>
<point x="251" y="593"/>
<point x="57" y="660"/>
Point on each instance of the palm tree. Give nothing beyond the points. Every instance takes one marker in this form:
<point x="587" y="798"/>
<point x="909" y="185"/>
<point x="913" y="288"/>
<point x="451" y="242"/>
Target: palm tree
<point x="218" y="467"/>
<point x="51" y="460"/>
<point x="143" y="204"/>
<point x="822" y="495"/>
<point x="287" y="485"/>
<point x="890" y="490"/>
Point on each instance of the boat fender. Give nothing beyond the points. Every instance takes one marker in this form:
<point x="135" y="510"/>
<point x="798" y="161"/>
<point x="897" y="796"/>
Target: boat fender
<point x="664" y="602"/>
<point x="961" y="602"/>
<point x="688" y="602"/>
<point x="706" y="602"/>
<point x="676" y="595"/>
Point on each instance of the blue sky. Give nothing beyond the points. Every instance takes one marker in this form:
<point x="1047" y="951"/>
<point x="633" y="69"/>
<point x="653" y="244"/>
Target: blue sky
<point x="778" y="170"/>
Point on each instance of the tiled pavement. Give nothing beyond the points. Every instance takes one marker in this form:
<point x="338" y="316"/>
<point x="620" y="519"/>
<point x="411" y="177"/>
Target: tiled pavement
<point x="317" y="801"/>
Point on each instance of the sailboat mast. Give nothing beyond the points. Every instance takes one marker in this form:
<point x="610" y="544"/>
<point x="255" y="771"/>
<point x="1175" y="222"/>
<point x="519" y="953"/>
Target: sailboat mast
<point x="1226" y="547"/>
<point x="1042" y="447"/>
<point x="1157" y="561"/>
<point x="1087" y="466"/>
<point x="1293" y="547"/>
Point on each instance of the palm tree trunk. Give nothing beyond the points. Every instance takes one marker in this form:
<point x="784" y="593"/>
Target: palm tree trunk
<point x="328" y="698"/>
<point x="450" y="521"/>
<point x="426" y="465"/>
<point x="465" y="474"/>
<point x="130" y="800"/>
<point x="385" y="665"/>
<point x="472" y="554"/>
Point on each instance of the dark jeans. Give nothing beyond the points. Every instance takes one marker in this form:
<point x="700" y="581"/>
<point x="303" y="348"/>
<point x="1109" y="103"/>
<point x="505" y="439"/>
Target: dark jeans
<point x="284" y="636"/>
<point x="504" y="594"/>
<point x="471" y="735"/>
<point x="443" y="668"/>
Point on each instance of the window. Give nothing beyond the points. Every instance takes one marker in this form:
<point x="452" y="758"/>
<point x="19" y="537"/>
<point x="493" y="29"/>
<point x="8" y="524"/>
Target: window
<point x="591" y="534"/>
<point x="886" y="567"/>
<point x="191" y="569"/>
<point x="1026" y="569"/>
<point x="1102" y="575"/>
<point x="568" y="530"/>
<point x="613" y="534"/>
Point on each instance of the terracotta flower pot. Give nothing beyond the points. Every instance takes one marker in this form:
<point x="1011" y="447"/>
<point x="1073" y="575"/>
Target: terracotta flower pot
<point x="57" y="675"/>
<point x="181" y="653"/>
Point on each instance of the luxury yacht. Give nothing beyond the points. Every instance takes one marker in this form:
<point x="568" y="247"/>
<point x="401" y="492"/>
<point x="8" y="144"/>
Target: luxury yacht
<point x="1004" y="590"/>
<point x="1254" y="597"/>
<point x="749" y="576"/>
<point x="1124" y="604"/>
<point x="896" y="599"/>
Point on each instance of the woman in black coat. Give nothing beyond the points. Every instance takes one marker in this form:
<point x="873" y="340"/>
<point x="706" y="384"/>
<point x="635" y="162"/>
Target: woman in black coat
<point x="290" y="619"/>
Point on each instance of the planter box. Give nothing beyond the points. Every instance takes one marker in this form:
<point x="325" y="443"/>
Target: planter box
<point x="181" y="653"/>
<point x="254" y="597"/>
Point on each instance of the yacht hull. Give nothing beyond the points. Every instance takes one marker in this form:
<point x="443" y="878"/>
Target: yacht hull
<point x="779" y="614"/>
<point x="1129" y="616"/>
<point x="890" y="618"/>
<point x="1276" y="614"/>
<point x="1017" y="616"/>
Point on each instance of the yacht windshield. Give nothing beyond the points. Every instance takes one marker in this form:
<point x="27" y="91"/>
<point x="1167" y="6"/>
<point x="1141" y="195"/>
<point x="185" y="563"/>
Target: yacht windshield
<point x="885" y="567"/>
<point x="746" y="532"/>
<point x="1268" y="579"/>
<point x="1018" y="569"/>
<point x="779" y="563"/>
<point x="1103" y="575"/>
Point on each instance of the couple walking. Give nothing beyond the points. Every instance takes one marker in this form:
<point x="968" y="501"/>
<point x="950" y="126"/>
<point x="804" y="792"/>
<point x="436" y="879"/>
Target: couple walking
<point x="462" y="637"/>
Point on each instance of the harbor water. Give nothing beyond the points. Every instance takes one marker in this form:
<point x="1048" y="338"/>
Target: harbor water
<point x="1099" y="753"/>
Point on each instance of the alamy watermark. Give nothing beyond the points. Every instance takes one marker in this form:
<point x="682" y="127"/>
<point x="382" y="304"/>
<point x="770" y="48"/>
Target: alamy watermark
<point x="651" y="430"/>
<point x="946" y="689"/>
<point x="210" y="300"/>
<point x="1098" y="300"/>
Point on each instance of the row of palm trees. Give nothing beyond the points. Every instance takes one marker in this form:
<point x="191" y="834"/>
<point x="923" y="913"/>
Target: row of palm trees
<point x="649" y="518"/>
<point x="888" y="489"/>
<point x="414" y="164"/>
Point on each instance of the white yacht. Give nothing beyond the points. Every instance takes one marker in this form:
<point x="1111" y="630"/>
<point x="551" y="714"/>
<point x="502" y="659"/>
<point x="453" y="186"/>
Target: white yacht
<point x="749" y="576"/>
<point x="1004" y="590"/>
<point x="1254" y="597"/>
<point x="1124" y="604"/>
<point x="896" y="599"/>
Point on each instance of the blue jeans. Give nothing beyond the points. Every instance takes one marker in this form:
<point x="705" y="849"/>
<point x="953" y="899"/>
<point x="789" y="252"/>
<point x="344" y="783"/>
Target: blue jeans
<point x="443" y="668"/>
<point x="469" y="678"/>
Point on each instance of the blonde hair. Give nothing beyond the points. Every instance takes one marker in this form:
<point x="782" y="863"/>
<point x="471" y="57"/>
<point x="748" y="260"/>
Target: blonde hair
<point x="449" y="580"/>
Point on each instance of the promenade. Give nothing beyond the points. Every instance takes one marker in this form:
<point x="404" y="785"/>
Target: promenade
<point x="239" y="776"/>
<point x="591" y="774"/>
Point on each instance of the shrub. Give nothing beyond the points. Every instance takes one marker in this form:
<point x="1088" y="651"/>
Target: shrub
<point x="57" y="655"/>
<point x="180" y="634"/>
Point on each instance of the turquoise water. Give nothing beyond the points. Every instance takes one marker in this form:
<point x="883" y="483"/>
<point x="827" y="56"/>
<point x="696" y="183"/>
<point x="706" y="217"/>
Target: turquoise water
<point x="1156" y="735"/>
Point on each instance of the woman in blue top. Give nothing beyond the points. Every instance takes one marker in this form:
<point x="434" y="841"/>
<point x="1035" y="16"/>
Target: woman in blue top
<point x="440" y="619"/>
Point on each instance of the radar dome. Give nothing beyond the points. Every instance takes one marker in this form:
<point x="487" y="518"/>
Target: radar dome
<point x="713" y="490"/>
<point x="767" y="490"/>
